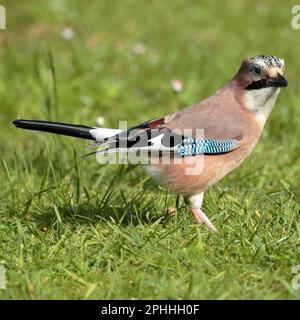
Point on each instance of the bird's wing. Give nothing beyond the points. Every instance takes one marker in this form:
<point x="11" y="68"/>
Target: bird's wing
<point x="194" y="130"/>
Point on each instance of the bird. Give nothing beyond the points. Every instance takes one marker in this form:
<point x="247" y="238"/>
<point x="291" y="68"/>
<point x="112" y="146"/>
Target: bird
<point x="194" y="148"/>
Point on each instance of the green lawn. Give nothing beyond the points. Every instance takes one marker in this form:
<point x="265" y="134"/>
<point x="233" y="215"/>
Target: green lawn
<point x="71" y="228"/>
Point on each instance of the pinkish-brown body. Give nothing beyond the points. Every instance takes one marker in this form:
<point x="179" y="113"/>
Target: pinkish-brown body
<point x="237" y="122"/>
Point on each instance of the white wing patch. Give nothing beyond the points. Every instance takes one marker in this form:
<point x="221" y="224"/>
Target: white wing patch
<point x="156" y="141"/>
<point x="99" y="134"/>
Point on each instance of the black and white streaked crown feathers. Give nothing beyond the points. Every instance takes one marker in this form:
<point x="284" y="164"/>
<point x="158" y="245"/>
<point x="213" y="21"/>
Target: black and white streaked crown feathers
<point x="270" y="61"/>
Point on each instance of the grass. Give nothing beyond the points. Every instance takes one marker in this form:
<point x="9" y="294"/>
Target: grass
<point x="71" y="228"/>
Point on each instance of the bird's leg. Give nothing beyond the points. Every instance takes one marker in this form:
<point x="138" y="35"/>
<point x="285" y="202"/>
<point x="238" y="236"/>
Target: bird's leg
<point x="201" y="217"/>
<point x="194" y="203"/>
<point x="177" y="202"/>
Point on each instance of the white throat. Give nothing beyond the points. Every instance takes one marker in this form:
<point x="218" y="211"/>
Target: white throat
<point x="261" y="102"/>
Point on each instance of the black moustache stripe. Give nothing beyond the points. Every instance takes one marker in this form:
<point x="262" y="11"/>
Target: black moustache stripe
<point x="257" y="85"/>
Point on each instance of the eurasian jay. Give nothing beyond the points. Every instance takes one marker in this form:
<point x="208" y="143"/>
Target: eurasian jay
<point x="231" y="122"/>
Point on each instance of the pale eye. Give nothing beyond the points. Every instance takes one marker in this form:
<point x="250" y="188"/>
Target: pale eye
<point x="257" y="70"/>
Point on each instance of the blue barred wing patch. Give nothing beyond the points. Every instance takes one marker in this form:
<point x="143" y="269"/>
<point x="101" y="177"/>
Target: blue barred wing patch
<point x="192" y="147"/>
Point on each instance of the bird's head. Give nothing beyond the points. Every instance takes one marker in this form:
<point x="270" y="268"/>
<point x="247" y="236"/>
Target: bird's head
<point x="261" y="78"/>
<point x="265" y="72"/>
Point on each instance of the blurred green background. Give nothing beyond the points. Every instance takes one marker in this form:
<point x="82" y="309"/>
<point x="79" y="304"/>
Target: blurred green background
<point x="70" y="228"/>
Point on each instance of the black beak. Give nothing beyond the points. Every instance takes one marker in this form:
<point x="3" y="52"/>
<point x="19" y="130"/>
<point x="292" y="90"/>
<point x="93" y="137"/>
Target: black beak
<point x="278" y="81"/>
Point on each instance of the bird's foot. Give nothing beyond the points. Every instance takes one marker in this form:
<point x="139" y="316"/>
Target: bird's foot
<point x="200" y="217"/>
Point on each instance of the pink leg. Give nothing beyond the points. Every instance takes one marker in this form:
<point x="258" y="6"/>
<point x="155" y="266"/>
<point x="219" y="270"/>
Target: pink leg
<point x="200" y="217"/>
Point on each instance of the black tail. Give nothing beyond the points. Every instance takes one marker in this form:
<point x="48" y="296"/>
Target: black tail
<point x="73" y="130"/>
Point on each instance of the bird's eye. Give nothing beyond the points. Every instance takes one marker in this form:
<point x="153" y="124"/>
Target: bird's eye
<point x="257" y="70"/>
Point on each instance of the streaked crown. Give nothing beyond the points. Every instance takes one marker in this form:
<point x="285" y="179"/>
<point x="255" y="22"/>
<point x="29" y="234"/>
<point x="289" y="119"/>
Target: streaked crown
<point x="269" y="61"/>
